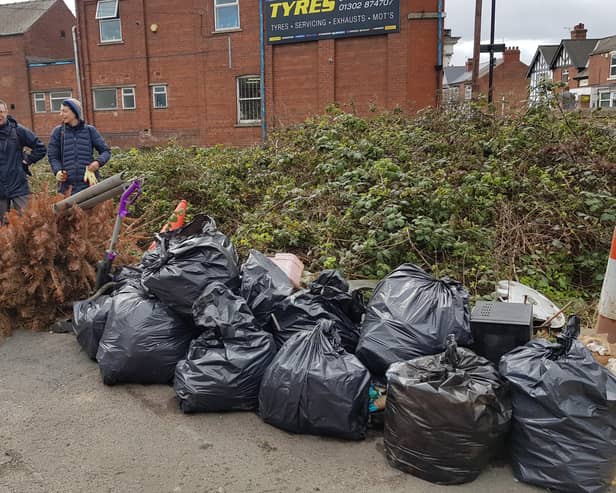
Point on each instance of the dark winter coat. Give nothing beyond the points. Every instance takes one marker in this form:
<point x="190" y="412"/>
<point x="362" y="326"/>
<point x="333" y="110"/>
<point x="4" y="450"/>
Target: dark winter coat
<point x="13" y="139"/>
<point x="71" y="149"/>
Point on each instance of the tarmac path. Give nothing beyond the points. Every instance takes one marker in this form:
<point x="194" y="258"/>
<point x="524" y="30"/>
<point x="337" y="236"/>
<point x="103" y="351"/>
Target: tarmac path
<point x="62" y="430"/>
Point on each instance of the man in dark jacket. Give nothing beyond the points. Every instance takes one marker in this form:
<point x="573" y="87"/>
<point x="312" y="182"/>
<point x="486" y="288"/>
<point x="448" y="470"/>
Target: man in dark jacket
<point x="14" y="162"/>
<point x="71" y="150"/>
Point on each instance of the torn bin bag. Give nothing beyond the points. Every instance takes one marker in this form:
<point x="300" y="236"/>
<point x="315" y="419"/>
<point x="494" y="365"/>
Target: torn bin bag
<point x="446" y="415"/>
<point x="264" y="286"/>
<point x="188" y="259"/>
<point x="564" y="415"/>
<point x="89" y="319"/>
<point x="409" y="315"/>
<point x="325" y="299"/>
<point x="225" y="364"/>
<point x="143" y="340"/>
<point x="314" y="386"/>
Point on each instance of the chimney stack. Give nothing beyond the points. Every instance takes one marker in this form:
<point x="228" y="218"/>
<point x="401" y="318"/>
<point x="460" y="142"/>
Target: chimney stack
<point x="512" y="54"/>
<point x="469" y="64"/>
<point x="579" y="32"/>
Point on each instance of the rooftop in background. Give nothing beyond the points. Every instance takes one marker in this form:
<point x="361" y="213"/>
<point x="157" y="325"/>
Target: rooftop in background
<point x="578" y="50"/>
<point x="17" y="18"/>
<point x="605" y="45"/>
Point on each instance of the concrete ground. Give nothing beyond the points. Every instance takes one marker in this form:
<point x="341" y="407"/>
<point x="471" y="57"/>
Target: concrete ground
<point x="62" y="430"/>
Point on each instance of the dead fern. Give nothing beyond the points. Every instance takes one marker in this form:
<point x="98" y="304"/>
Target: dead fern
<point x="48" y="260"/>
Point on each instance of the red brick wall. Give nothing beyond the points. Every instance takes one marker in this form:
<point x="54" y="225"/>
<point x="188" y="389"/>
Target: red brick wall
<point x="47" y="79"/>
<point x="201" y="68"/>
<point x="599" y="69"/>
<point x="510" y="86"/>
<point x="557" y="75"/>
<point x="45" y="38"/>
<point x="423" y="80"/>
<point x="14" y="78"/>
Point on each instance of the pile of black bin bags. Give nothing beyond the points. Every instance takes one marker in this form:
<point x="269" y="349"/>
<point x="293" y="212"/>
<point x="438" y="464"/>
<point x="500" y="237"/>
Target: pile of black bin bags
<point x="232" y="338"/>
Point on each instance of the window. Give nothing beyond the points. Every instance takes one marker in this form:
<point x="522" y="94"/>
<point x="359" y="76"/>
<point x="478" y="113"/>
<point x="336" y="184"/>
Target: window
<point x="108" y="21"/>
<point x="105" y="99"/>
<point x="39" y="102"/>
<point x="604" y="99"/>
<point x="111" y="30"/>
<point x="159" y="96"/>
<point x="468" y="92"/>
<point x="227" y="14"/>
<point x="565" y="76"/>
<point x="128" y="98"/>
<point x="56" y="98"/>
<point x="106" y="9"/>
<point x="613" y="65"/>
<point x="249" y="99"/>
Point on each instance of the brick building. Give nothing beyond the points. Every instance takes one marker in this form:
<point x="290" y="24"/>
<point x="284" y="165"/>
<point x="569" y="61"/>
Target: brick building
<point x="566" y="63"/>
<point x="509" y="82"/>
<point x="36" y="61"/>
<point x="159" y="69"/>
<point x="601" y="74"/>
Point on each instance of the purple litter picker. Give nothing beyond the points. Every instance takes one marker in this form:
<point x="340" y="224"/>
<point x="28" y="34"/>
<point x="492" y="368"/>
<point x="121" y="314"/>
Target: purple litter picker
<point x="103" y="268"/>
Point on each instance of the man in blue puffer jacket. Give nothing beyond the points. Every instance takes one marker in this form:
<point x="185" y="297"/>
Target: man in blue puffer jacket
<point x="14" y="162"/>
<point x="71" y="150"/>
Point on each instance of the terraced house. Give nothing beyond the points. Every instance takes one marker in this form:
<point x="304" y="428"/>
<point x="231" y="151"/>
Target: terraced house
<point x="228" y="71"/>
<point x="586" y="68"/>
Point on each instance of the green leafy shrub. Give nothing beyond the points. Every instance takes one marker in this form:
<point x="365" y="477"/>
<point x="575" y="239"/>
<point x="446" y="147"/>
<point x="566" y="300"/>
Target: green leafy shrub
<point x="464" y="193"/>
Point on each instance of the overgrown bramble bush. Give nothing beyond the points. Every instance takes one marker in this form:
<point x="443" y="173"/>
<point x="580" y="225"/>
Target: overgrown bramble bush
<point x="464" y="193"/>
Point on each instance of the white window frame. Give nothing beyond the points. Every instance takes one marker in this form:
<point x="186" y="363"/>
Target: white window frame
<point x="227" y="4"/>
<point x="607" y="100"/>
<point x="98" y="108"/>
<point x="39" y="97"/>
<point x="100" y="4"/>
<point x="564" y="75"/>
<point x="240" y="99"/>
<point x="100" y="31"/>
<point x="468" y="92"/>
<point x="159" y="89"/>
<point x="613" y="65"/>
<point x="58" y="96"/>
<point x="129" y="92"/>
<point x="112" y="16"/>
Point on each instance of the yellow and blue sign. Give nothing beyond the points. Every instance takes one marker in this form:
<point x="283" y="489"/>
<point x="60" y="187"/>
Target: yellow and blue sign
<point x="293" y="21"/>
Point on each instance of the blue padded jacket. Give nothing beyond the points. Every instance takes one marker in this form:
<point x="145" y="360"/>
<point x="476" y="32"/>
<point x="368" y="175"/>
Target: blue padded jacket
<point x="72" y="149"/>
<point x="13" y="139"/>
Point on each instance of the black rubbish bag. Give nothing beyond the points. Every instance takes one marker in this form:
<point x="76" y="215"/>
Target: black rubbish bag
<point x="128" y="274"/>
<point x="314" y="386"/>
<point x="325" y="299"/>
<point x="188" y="259"/>
<point x="446" y="415"/>
<point x="264" y="286"/>
<point x="410" y="314"/>
<point x="143" y="340"/>
<point x="225" y="364"/>
<point x="89" y="318"/>
<point x="564" y="415"/>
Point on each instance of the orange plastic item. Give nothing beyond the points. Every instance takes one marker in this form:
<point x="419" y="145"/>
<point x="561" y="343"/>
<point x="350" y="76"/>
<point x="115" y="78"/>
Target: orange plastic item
<point x="175" y="221"/>
<point x="290" y="265"/>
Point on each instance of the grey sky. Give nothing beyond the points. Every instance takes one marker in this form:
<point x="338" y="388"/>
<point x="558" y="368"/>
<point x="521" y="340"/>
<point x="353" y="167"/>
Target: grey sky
<point x="522" y="23"/>
<point x="528" y="23"/>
